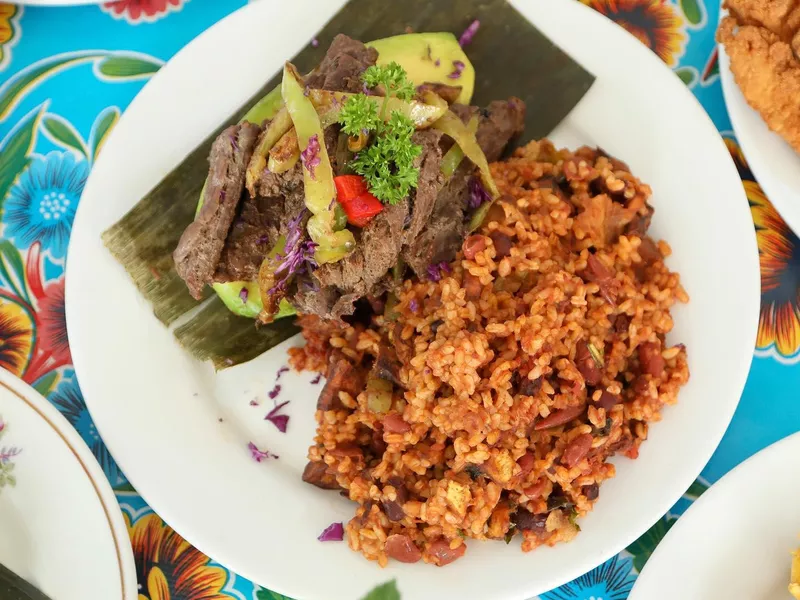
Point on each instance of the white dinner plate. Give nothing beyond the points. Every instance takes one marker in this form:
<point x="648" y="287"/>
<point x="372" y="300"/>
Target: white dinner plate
<point x="735" y="541"/>
<point x="159" y="411"/>
<point x="774" y="162"/>
<point x="61" y="528"/>
<point x="58" y="2"/>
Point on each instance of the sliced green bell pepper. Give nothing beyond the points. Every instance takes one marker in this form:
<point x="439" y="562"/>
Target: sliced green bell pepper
<point x="320" y="192"/>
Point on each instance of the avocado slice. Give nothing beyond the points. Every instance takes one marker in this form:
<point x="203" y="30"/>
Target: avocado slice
<point x="418" y="54"/>
<point x="229" y="293"/>
<point x="265" y="108"/>
<point x="428" y="58"/>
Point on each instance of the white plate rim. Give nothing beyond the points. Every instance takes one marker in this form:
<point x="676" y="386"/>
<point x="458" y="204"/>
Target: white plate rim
<point x="709" y="443"/>
<point x="94" y="473"/>
<point x="768" y="155"/>
<point x="57" y="3"/>
<point x="715" y="495"/>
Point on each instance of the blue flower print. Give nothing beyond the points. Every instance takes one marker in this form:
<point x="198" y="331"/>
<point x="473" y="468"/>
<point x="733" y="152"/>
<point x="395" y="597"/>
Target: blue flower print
<point x="68" y="399"/>
<point x="41" y="206"/>
<point x="613" y="580"/>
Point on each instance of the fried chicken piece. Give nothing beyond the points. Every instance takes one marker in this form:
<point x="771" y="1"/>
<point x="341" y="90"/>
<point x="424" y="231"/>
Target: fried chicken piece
<point x="781" y="17"/>
<point x="765" y="68"/>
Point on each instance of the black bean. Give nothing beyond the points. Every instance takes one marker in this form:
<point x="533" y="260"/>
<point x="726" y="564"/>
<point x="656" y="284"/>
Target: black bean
<point x="400" y="488"/>
<point x="528" y="521"/>
<point x="591" y="491"/>
<point x="604" y="430"/>
<point x="474" y="471"/>
<point x="393" y="510"/>
<point x="502" y="244"/>
<point x="530" y="387"/>
<point x="555" y="502"/>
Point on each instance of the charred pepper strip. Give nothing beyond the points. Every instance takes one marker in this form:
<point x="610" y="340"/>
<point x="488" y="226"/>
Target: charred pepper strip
<point x="320" y="192"/>
<point x="285" y="154"/>
<point x="452" y="159"/>
<point x="329" y="105"/>
<point x="453" y="127"/>
<point x="280" y="124"/>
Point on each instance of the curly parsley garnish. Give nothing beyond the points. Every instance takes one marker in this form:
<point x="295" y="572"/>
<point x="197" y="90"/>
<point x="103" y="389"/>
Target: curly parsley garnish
<point x="359" y="115"/>
<point x="387" y="164"/>
<point x="392" y="77"/>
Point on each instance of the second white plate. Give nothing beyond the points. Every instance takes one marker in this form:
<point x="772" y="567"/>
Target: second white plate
<point x="774" y="162"/>
<point x="60" y="525"/>
<point x="735" y="541"/>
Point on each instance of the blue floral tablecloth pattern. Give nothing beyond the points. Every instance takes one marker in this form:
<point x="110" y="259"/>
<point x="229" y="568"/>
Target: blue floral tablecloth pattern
<point x="66" y="75"/>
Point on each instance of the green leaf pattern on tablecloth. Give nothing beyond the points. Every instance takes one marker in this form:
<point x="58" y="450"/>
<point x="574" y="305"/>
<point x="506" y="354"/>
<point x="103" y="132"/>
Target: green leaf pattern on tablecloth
<point x="687" y="75"/>
<point x="694" y="11"/>
<point x="127" y="67"/>
<point x="63" y="134"/>
<point x="102" y="127"/>
<point x="643" y="547"/>
<point x="14" y="151"/>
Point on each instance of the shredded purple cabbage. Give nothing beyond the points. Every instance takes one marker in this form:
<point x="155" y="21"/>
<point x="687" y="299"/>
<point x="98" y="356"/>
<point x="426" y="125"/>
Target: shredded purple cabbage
<point x="413" y="305"/>
<point x="280" y="421"/>
<point x="262" y="240"/>
<point x="273" y="393"/>
<point x="254" y="402"/>
<point x="316" y="379"/>
<point x="306" y="91"/>
<point x="259" y="455"/>
<point x="469" y="33"/>
<point x="310" y="156"/>
<point x="477" y="193"/>
<point x="438" y="62"/>
<point x="315" y="42"/>
<point x="243" y="294"/>
<point x="333" y="533"/>
<point x="437" y="271"/>
<point x="297" y="257"/>
<point x="281" y="371"/>
<point x="458" y="67"/>
<point x="234" y="143"/>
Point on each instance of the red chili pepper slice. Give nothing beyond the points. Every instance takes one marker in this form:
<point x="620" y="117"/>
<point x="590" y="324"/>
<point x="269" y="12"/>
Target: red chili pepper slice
<point x="349" y="186"/>
<point x="358" y="204"/>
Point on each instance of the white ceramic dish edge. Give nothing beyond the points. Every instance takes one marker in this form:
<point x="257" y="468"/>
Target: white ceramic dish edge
<point x="94" y="473"/>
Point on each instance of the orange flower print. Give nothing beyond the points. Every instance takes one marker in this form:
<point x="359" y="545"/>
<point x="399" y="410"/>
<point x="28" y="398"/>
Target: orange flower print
<point x="655" y="23"/>
<point x="9" y="30"/>
<point x="168" y="567"/>
<point x="16" y="337"/>
<point x="779" y="255"/>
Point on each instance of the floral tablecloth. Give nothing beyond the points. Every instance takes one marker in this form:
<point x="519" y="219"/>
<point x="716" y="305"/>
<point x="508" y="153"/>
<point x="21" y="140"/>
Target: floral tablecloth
<point x="66" y="74"/>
